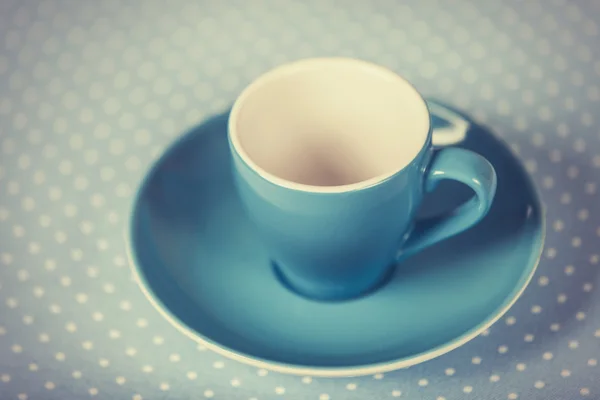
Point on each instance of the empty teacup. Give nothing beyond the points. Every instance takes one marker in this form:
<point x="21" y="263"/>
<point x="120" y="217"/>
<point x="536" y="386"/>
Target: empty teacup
<point x="332" y="158"/>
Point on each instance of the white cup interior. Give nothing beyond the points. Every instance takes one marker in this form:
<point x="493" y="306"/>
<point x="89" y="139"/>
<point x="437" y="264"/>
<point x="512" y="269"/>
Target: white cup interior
<point x="329" y="123"/>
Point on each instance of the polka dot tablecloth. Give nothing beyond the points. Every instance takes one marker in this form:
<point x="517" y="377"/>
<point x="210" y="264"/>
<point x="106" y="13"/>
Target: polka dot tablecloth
<point x="92" y="91"/>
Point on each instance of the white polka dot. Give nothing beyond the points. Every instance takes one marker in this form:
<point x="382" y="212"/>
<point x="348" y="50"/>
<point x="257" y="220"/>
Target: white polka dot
<point x="218" y="364"/>
<point x="76" y="254"/>
<point x="38" y="291"/>
<point x="77" y="374"/>
<point x="280" y="390"/>
<point x="81" y="298"/>
<point x="558" y="225"/>
<point x="191" y="375"/>
<point x="158" y="340"/>
<point x="565" y="373"/>
<point x="152" y="111"/>
<point x="450" y="371"/>
<point x="5" y="378"/>
<point x="120" y="261"/>
<point x="142" y="323"/>
<point x="584" y="391"/>
<point x="113" y="217"/>
<point x="551" y="253"/>
<point x="531" y="166"/>
<point x="13" y="188"/>
<point x="552" y="88"/>
<point x="45" y="221"/>
<point x="123" y="190"/>
<point x="324" y="396"/>
<point x="476" y="360"/>
<point x="133" y="163"/>
<point x="539" y="384"/>
<point x="87" y="345"/>
<point x="513" y="396"/>
<point x="561" y="298"/>
<point x="537" y="139"/>
<point x="18" y="231"/>
<point x="103" y="362"/>
<point x="49" y="385"/>
<point x="547" y="356"/>
<point x="494" y="378"/>
<point x="587" y="287"/>
<point x="112" y="106"/>
<point x="116" y="147"/>
<point x="34" y="248"/>
<point x="11" y="302"/>
<point x="306" y="379"/>
<point x="423" y="382"/>
<point x="162" y="86"/>
<point x="468" y="389"/>
<point x="569" y="270"/>
<point x="578" y="146"/>
<point x="536" y="309"/>
<point x="545" y="113"/>
<point x="55" y="309"/>
<point x="20" y="121"/>
<point x="352" y="386"/>
<point x="108" y="288"/>
<point x="97" y="316"/>
<point x="592" y="362"/>
<point x="573" y="344"/>
<point x="563" y="130"/>
<point x="178" y="101"/>
<point x="164" y="386"/>
<point x="8" y="146"/>
<point x="529" y="338"/>
<point x="583" y="215"/>
<point x="208" y="393"/>
<point x="6" y="258"/>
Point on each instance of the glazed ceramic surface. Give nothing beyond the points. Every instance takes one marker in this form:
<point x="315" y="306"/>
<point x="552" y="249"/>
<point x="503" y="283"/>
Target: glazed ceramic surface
<point x="200" y="262"/>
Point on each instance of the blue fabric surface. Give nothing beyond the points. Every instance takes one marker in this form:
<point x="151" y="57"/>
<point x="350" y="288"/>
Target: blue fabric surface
<point x="92" y="91"/>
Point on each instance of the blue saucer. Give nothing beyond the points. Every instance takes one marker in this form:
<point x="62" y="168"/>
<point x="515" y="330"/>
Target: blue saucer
<point x="198" y="261"/>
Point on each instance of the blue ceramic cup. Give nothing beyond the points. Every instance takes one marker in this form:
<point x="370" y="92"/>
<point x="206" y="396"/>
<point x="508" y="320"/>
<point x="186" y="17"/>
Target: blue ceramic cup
<point x="332" y="158"/>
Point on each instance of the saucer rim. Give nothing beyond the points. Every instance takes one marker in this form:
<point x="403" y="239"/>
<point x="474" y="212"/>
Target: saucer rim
<point x="329" y="372"/>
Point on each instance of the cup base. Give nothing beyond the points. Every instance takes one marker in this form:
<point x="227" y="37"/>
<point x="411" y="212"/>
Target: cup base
<point x="337" y="295"/>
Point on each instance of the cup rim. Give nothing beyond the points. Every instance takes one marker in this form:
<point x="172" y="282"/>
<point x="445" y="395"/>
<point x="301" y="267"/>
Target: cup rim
<point x="300" y="64"/>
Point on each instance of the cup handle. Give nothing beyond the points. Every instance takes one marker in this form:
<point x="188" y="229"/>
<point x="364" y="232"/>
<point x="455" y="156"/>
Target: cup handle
<point x="468" y="168"/>
<point x="456" y="130"/>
